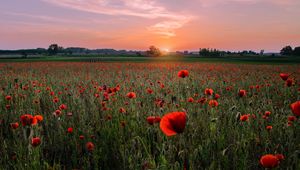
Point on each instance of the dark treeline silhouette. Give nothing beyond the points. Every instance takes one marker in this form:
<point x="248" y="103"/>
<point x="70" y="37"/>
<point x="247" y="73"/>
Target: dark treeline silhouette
<point x="216" y="53"/>
<point x="55" y="49"/>
<point x="288" y="50"/>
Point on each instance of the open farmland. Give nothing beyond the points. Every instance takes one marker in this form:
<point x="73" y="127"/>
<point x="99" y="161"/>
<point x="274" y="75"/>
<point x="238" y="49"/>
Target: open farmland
<point x="79" y="115"/>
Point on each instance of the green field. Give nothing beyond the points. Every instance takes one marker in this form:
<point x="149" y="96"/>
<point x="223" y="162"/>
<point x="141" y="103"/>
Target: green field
<point x="128" y="58"/>
<point x="82" y="115"/>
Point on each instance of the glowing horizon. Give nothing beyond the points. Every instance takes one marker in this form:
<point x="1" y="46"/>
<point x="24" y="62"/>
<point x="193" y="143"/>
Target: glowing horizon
<point x="136" y="24"/>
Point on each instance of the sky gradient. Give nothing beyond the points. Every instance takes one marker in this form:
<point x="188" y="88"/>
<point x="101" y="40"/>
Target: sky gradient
<point x="136" y="24"/>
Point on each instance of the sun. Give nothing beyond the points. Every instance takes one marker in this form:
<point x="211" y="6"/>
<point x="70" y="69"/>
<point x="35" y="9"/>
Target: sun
<point x="166" y="50"/>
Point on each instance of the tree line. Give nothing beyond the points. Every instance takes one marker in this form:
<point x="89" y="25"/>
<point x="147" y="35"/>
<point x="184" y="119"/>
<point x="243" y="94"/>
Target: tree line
<point x="288" y="50"/>
<point x="153" y="51"/>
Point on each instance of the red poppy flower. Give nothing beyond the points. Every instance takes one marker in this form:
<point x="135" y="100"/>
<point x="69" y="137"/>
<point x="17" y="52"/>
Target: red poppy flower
<point x="213" y="103"/>
<point x="217" y="96"/>
<point x="292" y="118"/>
<point x="269" y="161"/>
<point x="8" y="98"/>
<point x="296" y="108"/>
<point x="55" y="100"/>
<point x="244" y="118"/>
<point x="208" y="91"/>
<point x="70" y="130"/>
<point x="35" y="141"/>
<point x="131" y="95"/>
<point x="284" y="76"/>
<point x="90" y="146"/>
<point x="122" y="110"/>
<point x="269" y="127"/>
<point x="149" y="91"/>
<point x="81" y="137"/>
<point x="39" y="118"/>
<point x="157" y="119"/>
<point x="279" y="157"/>
<point x="242" y="93"/>
<point x="190" y="100"/>
<point x="267" y="113"/>
<point x="173" y="123"/>
<point x="151" y="120"/>
<point x="289" y="82"/>
<point x="202" y="100"/>
<point x="57" y="113"/>
<point x="63" y="107"/>
<point x="28" y="119"/>
<point x="14" y="125"/>
<point x="183" y="73"/>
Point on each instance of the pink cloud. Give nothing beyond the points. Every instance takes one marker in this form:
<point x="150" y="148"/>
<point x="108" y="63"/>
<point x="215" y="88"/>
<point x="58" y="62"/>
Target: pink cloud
<point x="148" y="9"/>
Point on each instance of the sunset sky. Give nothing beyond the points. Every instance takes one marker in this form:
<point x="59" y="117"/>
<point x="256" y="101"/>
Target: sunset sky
<point x="137" y="24"/>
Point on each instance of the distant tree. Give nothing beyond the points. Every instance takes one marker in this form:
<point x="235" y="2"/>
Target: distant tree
<point x="204" y="52"/>
<point x="54" y="49"/>
<point x="153" y="51"/>
<point x="210" y="52"/>
<point x="297" y="51"/>
<point x="286" y="50"/>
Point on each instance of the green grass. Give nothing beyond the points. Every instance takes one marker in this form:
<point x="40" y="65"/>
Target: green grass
<point x="227" y="59"/>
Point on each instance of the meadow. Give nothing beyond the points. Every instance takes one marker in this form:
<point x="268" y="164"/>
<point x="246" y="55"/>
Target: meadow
<point x="149" y="115"/>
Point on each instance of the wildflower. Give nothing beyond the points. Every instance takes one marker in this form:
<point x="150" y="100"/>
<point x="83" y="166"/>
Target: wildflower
<point x="57" y="112"/>
<point x="217" y="96"/>
<point x="153" y="119"/>
<point x="279" y="157"/>
<point x="28" y="119"/>
<point x="289" y="82"/>
<point x="90" y="146"/>
<point x="131" y="95"/>
<point x="269" y="161"/>
<point x="122" y="110"/>
<point x="213" y="103"/>
<point x="244" y="118"/>
<point x="183" y="73"/>
<point x="242" y="93"/>
<point x="190" y="100"/>
<point x="284" y="76"/>
<point x="208" y="91"/>
<point x="173" y="123"/>
<point x="8" y="98"/>
<point x="70" y="130"/>
<point x="63" y="107"/>
<point x="292" y="118"/>
<point x="149" y="91"/>
<point x="296" y="108"/>
<point x="269" y="127"/>
<point x="39" y="118"/>
<point x="14" y="125"/>
<point x="267" y="113"/>
<point x="35" y="141"/>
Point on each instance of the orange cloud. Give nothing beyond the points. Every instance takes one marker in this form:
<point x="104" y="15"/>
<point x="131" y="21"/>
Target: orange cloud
<point x="169" y="20"/>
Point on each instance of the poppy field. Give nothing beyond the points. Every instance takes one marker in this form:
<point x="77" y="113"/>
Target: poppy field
<point x="80" y="115"/>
